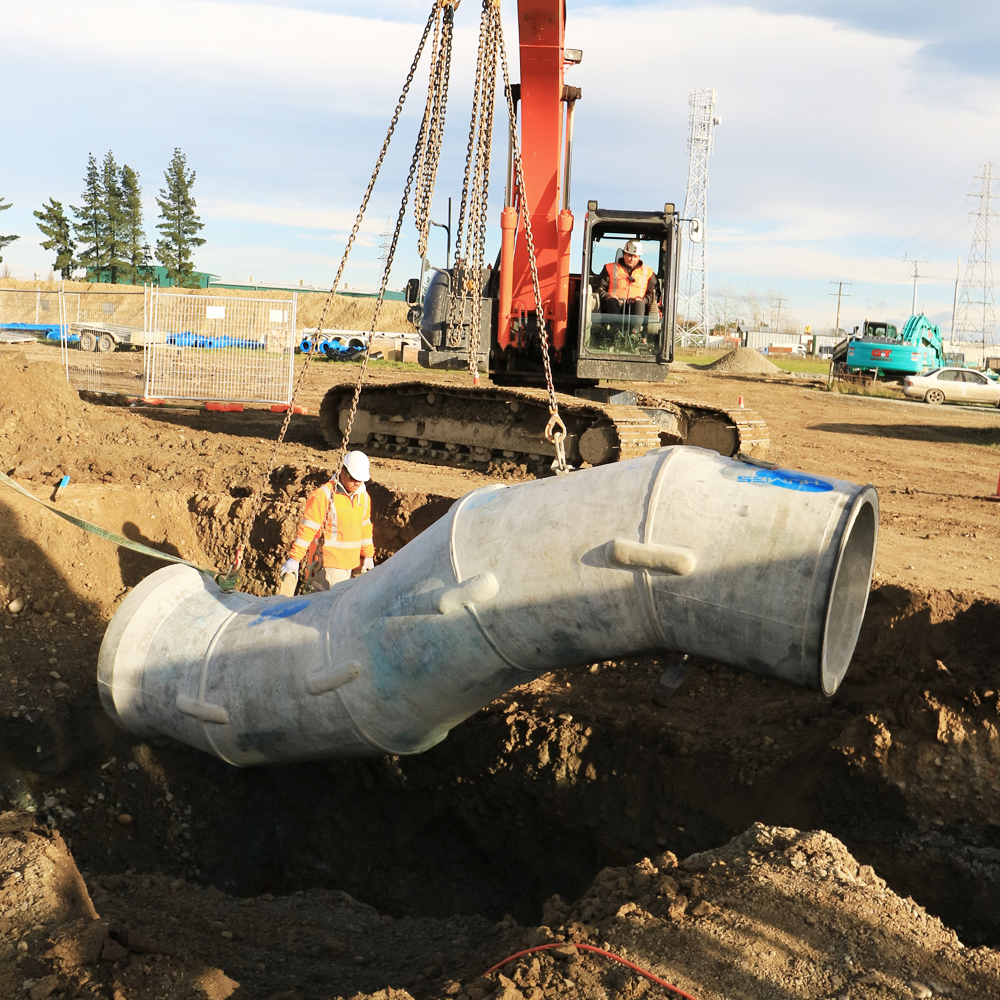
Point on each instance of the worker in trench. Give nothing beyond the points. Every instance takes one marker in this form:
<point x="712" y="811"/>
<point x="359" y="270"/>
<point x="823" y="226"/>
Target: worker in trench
<point x="628" y="288"/>
<point x="342" y="510"/>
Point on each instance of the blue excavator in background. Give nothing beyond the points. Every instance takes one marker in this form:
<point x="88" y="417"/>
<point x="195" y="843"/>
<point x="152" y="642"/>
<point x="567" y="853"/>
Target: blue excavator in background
<point x="883" y="350"/>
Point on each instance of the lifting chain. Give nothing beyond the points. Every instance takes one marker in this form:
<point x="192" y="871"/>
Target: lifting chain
<point x="422" y="158"/>
<point x="555" y="429"/>
<point x="231" y="580"/>
<point x="475" y="193"/>
<point x="432" y="126"/>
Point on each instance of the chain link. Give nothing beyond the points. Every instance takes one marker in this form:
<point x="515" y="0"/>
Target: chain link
<point x="432" y="126"/>
<point x="471" y="243"/>
<point x="555" y="429"/>
<point x="456" y="306"/>
<point x="231" y="580"/>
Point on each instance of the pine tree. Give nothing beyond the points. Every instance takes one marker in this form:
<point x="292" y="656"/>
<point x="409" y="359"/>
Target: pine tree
<point x="91" y="224"/>
<point x="5" y="240"/>
<point x="53" y="223"/>
<point x="114" y="264"/>
<point x="135" y="250"/>
<point x="180" y="225"/>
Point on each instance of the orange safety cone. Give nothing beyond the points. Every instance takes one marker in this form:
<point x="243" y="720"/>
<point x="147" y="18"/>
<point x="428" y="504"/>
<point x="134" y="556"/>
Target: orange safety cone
<point x="995" y="496"/>
<point x="741" y="403"/>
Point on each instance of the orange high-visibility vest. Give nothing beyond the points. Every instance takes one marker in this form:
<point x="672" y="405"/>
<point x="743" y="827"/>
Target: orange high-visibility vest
<point x="349" y="539"/>
<point x="622" y="285"/>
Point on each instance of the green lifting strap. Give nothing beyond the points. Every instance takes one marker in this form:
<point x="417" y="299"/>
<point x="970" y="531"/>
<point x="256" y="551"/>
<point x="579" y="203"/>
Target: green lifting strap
<point x="111" y="536"/>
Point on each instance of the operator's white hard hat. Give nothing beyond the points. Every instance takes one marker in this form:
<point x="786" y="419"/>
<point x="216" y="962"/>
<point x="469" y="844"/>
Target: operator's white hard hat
<point x="358" y="466"/>
<point x="633" y="246"/>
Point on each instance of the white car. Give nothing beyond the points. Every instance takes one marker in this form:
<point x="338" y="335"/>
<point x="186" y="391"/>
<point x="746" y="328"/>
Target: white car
<point x="953" y="385"/>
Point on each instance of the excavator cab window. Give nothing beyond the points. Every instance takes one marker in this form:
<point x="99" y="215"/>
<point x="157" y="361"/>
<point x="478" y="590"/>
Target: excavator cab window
<point x="624" y="311"/>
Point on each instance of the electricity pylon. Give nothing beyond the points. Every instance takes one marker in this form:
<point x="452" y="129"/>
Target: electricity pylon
<point x="976" y="320"/>
<point x="693" y="305"/>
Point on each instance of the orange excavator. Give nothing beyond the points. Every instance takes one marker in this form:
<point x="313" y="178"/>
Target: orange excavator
<point x="589" y="341"/>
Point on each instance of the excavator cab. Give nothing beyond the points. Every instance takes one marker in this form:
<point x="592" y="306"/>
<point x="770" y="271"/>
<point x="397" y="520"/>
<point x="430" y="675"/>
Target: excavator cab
<point x="633" y="341"/>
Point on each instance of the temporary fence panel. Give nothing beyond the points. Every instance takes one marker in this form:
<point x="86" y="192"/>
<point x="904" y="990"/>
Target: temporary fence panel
<point x="103" y="329"/>
<point x="229" y="348"/>
<point x="30" y="314"/>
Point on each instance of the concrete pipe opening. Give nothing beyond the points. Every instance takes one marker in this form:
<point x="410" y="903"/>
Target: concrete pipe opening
<point x="849" y="589"/>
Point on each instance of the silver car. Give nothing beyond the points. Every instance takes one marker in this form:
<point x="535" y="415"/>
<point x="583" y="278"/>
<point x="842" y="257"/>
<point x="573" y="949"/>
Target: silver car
<point x="953" y="385"/>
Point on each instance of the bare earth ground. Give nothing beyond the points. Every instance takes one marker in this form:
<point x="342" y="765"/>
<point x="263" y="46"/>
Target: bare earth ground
<point x="559" y="812"/>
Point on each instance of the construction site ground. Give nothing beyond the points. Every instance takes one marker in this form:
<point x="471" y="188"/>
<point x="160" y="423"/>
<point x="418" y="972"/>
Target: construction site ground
<point x="743" y="839"/>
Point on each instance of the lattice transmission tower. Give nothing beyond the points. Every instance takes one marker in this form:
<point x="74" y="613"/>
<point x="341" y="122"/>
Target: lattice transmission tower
<point x="693" y="305"/>
<point x="976" y="320"/>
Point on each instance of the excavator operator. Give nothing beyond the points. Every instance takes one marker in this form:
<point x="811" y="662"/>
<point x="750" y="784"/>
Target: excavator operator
<point x="628" y="287"/>
<point x="343" y="508"/>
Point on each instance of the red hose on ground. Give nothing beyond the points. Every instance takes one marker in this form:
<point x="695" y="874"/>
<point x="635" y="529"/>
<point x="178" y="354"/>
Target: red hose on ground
<point x="596" y="951"/>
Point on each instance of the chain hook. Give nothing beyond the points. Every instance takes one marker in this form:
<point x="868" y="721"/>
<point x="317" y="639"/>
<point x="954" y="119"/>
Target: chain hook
<point x="555" y="433"/>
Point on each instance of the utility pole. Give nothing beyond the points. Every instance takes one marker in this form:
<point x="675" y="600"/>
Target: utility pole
<point x="916" y="275"/>
<point x="840" y="294"/>
<point x="777" y="313"/>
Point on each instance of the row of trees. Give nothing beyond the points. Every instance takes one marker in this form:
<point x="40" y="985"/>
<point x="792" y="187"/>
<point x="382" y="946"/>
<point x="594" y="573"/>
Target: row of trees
<point x="106" y="235"/>
<point x="730" y="305"/>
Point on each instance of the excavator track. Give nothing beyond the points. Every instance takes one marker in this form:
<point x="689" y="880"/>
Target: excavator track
<point x="440" y="423"/>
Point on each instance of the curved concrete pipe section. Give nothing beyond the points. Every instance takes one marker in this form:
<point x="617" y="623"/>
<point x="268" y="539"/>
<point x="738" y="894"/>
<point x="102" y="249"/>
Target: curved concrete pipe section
<point x="680" y="550"/>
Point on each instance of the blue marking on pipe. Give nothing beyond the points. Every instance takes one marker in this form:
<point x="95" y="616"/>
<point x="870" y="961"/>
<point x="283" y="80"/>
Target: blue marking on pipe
<point x="786" y="480"/>
<point x="285" y="609"/>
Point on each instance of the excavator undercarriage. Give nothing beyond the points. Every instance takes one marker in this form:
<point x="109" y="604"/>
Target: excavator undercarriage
<point x="436" y="422"/>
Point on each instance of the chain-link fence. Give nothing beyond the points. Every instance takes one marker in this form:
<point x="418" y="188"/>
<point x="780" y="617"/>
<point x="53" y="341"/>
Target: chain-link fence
<point x="223" y="348"/>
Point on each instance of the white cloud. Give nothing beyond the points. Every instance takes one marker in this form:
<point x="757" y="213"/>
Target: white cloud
<point x="337" y="221"/>
<point x="246" y="52"/>
<point x="841" y="148"/>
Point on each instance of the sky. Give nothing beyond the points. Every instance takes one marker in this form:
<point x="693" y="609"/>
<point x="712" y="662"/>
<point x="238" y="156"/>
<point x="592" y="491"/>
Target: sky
<point x="851" y="134"/>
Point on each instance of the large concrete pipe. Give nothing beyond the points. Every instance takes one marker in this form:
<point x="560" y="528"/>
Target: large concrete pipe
<point x="680" y="550"/>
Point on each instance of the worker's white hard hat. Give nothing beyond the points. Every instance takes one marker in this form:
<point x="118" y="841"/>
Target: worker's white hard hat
<point x="358" y="466"/>
<point x="634" y="246"/>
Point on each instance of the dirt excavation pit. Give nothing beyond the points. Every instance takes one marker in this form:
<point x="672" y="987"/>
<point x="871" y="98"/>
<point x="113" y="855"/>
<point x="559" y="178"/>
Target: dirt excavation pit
<point x="586" y="808"/>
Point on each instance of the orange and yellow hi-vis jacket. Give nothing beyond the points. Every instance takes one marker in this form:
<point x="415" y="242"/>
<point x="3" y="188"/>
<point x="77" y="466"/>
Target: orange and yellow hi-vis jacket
<point x="349" y="539"/>
<point x="626" y="284"/>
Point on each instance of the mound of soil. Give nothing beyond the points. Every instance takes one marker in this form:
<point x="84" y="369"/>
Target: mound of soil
<point x="558" y="805"/>
<point x="773" y="913"/>
<point x="744" y="361"/>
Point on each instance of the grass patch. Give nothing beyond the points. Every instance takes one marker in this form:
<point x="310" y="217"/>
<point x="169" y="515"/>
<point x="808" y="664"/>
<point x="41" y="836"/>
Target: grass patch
<point x="816" y="366"/>
<point x="853" y="389"/>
